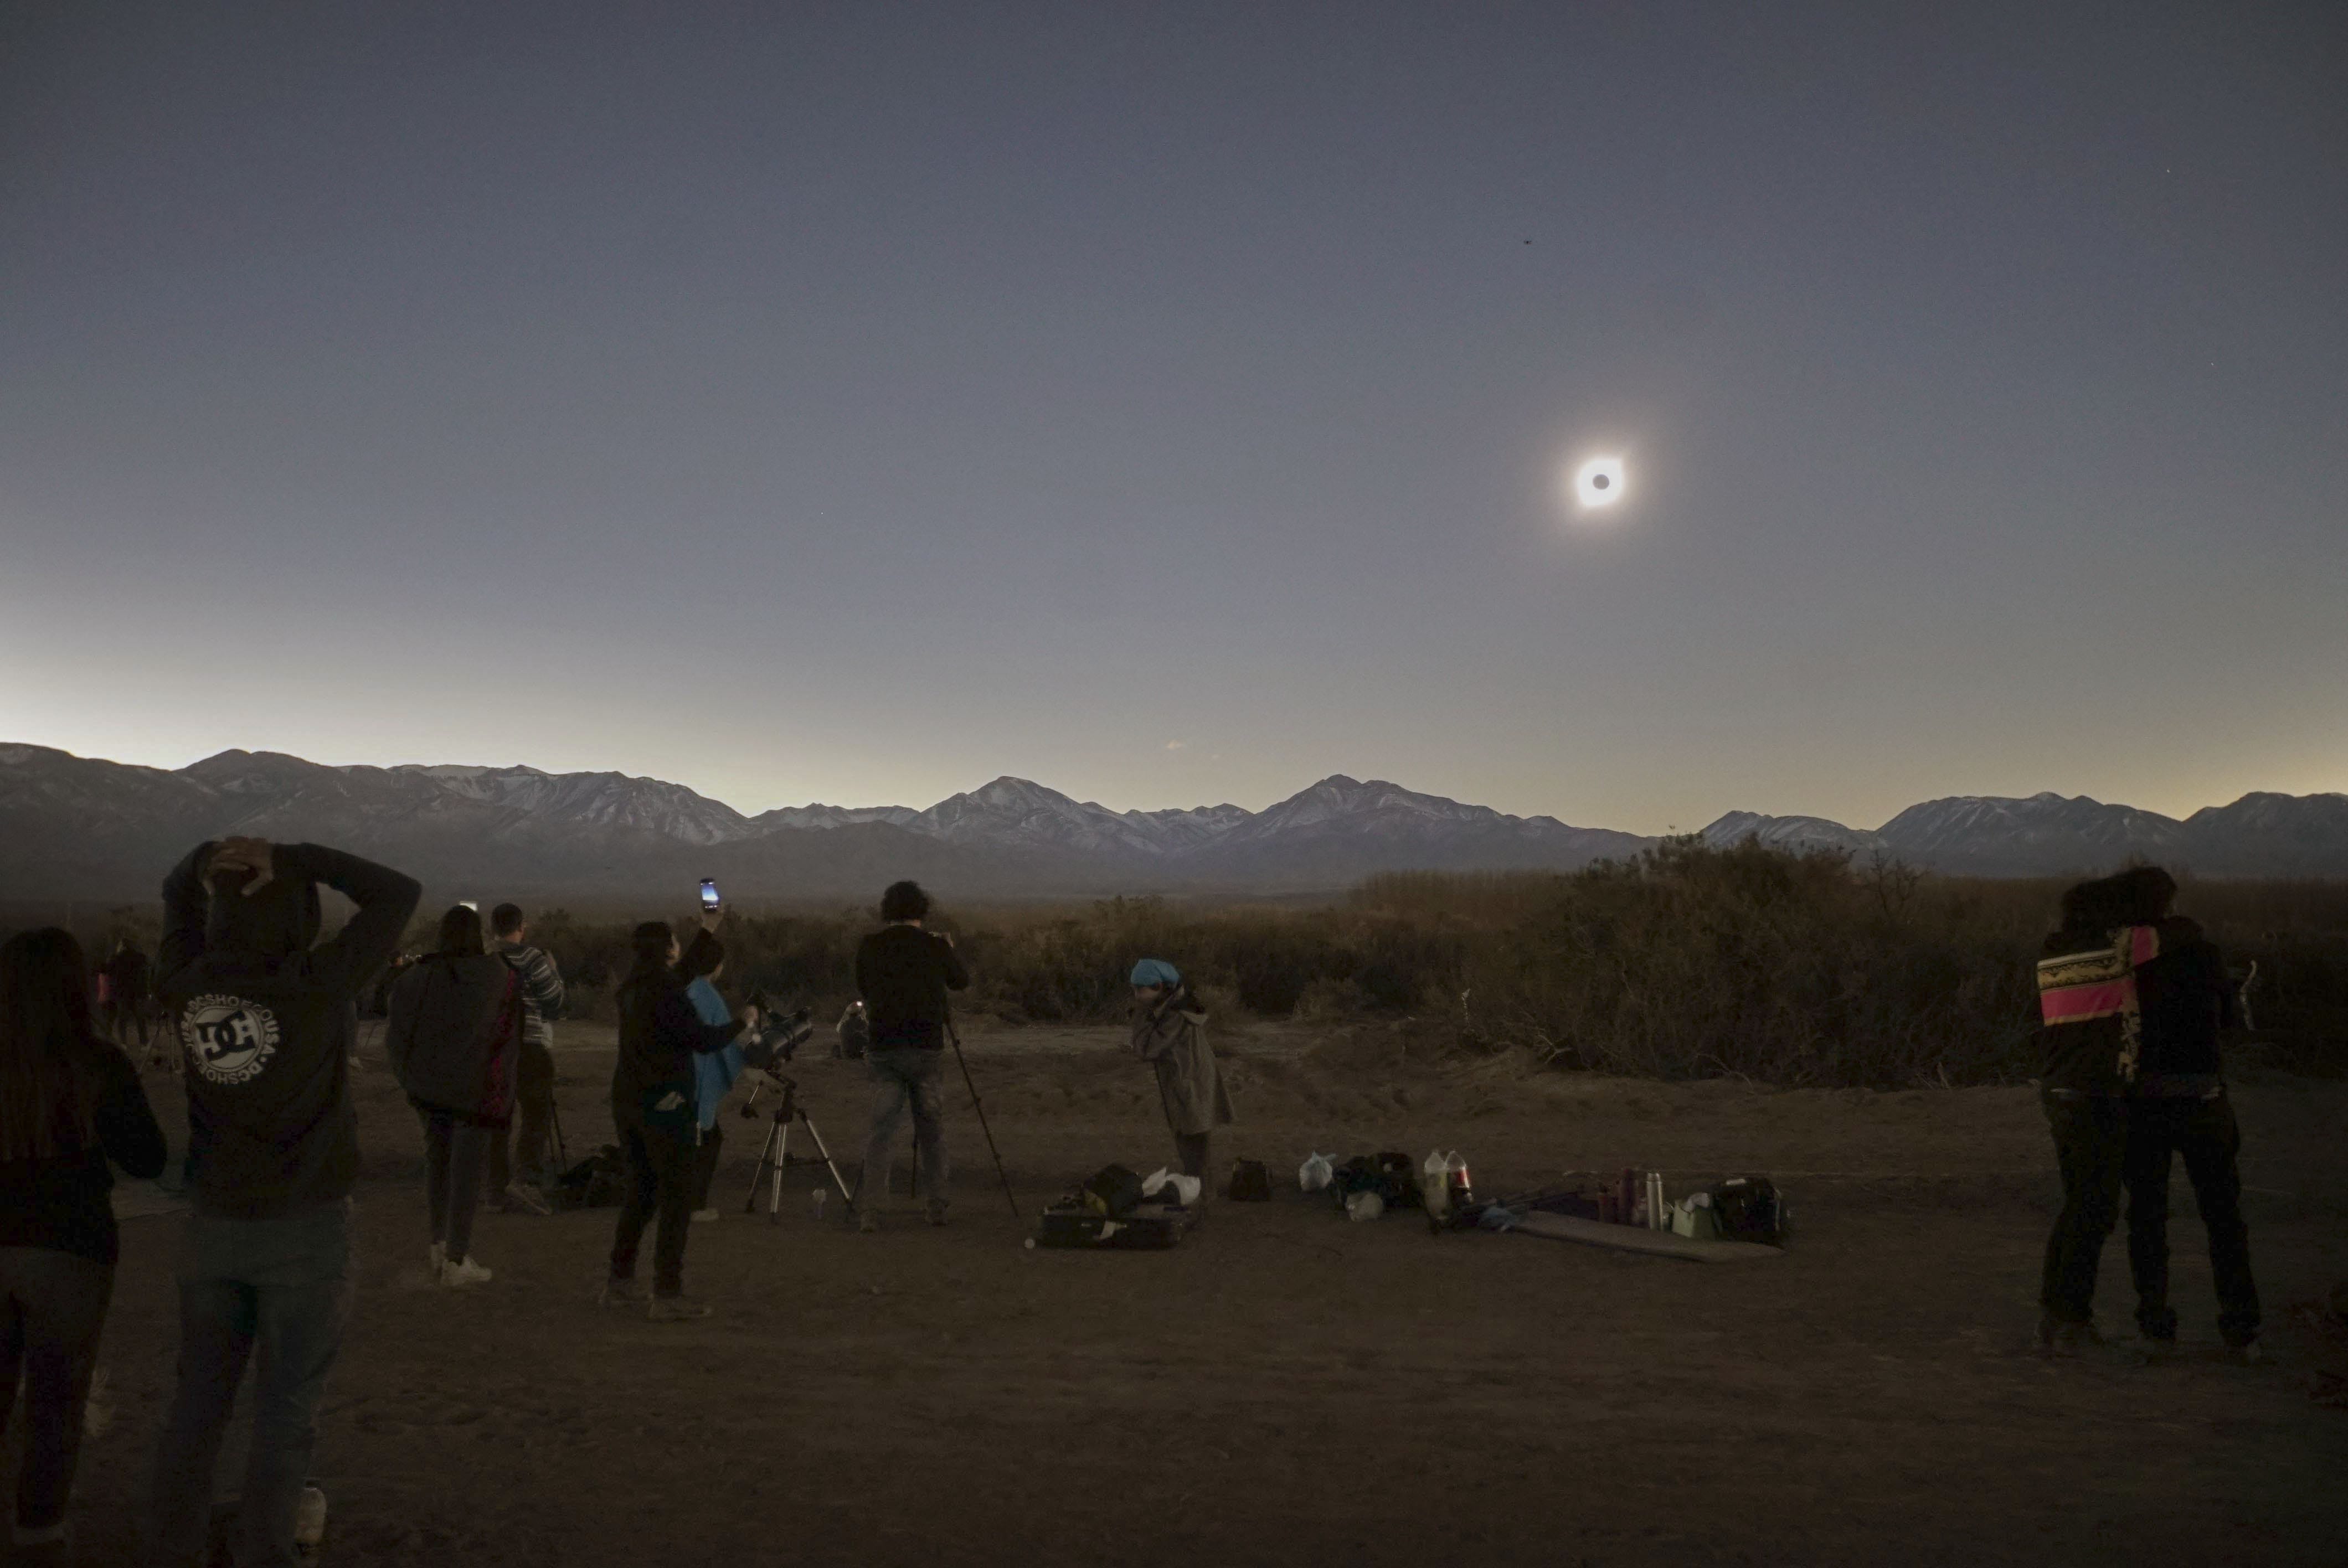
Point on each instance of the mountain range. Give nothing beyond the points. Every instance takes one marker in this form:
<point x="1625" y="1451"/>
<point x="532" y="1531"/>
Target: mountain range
<point x="77" y="827"/>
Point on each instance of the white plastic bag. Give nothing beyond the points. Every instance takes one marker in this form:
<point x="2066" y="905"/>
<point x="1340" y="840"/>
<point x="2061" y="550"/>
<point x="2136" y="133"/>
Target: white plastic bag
<point x="1364" y="1205"/>
<point x="1317" y="1172"/>
<point x="1186" y="1188"/>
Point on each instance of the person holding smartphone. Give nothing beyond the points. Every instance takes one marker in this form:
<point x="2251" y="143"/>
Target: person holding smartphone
<point x="654" y="1107"/>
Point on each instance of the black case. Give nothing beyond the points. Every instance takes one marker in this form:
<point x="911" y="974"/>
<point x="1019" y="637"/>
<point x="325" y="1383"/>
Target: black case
<point x="1149" y="1227"/>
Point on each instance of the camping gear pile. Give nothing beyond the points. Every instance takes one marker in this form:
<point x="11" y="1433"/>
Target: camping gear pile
<point x="1116" y="1209"/>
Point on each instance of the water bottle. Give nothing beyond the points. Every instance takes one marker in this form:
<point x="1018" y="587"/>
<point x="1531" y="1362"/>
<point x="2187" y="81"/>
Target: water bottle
<point x="1364" y="1206"/>
<point x="1435" y="1184"/>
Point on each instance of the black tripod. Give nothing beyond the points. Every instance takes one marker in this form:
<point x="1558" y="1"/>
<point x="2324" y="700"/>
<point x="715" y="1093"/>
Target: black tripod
<point x="775" y="1152"/>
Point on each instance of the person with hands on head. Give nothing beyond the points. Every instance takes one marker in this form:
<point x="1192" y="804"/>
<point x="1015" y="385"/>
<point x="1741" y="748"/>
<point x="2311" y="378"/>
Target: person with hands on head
<point x="70" y="1101"/>
<point x="262" y="1012"/>
<point x="653" y="1107"/>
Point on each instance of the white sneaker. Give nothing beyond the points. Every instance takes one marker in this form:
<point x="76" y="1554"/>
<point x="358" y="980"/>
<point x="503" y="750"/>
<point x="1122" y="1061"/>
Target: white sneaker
<point x="437" y="1256"/>
<point x="704" y="1216"/>
<point x="310" y="1520"/>
<point x="464" y="1271"/>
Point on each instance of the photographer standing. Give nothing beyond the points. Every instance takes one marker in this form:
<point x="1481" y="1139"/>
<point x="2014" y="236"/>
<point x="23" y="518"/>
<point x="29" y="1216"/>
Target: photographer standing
<point x="904" y="973"/>
<point x="652" y="1109"/>
<point x="1169" y="1032"/>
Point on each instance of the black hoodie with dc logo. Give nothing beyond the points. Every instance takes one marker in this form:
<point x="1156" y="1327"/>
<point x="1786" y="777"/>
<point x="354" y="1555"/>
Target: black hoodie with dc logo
<point x="264" y="1021"/>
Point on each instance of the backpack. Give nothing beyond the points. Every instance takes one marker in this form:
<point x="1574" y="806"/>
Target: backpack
<point x="1250" y="1182"/>
<point x="1391" y="1175"/>
<point x="1749" y="1208"/>
<point x="1117" y="1190"/>
<point x="453" y="1035"/>
<point x="597" y="1181"/>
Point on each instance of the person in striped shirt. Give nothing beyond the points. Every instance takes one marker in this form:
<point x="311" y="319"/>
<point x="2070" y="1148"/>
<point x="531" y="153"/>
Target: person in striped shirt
<point x="542" y="990"/>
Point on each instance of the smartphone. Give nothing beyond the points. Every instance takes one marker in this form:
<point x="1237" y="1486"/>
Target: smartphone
<point x="709" y="895"/>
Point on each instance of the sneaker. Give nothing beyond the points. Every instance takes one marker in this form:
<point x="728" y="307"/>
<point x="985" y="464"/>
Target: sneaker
<point x="464" y="1271"/>
<point x="437" y="1255"/>
<point x="2067" y="1341"/>
<point x="704" y="1216"/>
<point x="677" y="1309"/>
<point x="868" y="1221"/>
<point x="937" y="1210"/>
<point x="620" y="1293"/>
<point x="310" y="1520"/>
<point x="2251" y="1355"/>
<point x="528" y="1200"/>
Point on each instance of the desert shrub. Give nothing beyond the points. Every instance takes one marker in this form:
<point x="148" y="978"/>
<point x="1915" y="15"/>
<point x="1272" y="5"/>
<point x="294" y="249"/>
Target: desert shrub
<point x="1685" y="962"/>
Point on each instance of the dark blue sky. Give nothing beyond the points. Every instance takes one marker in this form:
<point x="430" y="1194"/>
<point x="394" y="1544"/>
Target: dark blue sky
<point x="1169" y="403"/>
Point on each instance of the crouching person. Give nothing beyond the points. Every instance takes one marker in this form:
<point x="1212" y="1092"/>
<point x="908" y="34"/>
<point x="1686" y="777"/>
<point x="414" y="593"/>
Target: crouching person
<point x="1169" y="1032"/>
<point x="262" y="1015"/>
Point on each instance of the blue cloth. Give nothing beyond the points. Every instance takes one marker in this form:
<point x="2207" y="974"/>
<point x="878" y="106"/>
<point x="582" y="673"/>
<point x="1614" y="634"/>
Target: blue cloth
<point x="1156" y="972"/>
<point x="714" y="1071"/>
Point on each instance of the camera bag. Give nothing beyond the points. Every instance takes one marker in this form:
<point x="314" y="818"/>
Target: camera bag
<point x="1250" y="1182"/>
<point x="1750" y="1208"/>
<point x="1117" y="1190"/>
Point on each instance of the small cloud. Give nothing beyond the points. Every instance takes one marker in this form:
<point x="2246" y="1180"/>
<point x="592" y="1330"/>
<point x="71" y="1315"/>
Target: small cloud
<point x="1175" y="745"/>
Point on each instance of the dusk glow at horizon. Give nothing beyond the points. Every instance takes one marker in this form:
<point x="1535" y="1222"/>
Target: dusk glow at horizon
<point x="1178" y="405"/>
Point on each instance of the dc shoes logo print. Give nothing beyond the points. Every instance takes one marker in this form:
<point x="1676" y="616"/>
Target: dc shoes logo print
<point x="228" y="1040"/>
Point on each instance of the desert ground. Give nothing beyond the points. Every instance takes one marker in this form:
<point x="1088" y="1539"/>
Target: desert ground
<point x="1290" y="1387"/>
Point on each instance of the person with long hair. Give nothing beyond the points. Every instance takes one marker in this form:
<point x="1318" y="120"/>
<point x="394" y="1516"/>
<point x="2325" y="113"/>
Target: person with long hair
<point x="454" y="1035"/>
<point x="70" y="1101"/>
<point x="653" y="1107"/>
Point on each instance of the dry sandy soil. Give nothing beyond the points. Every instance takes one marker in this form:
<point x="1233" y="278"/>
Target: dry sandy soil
<point x="1291" y="1388"/>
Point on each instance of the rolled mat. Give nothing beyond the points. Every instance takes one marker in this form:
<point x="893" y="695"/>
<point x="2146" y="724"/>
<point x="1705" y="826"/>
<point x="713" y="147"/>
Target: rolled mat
<point x="1637" y="1238"/>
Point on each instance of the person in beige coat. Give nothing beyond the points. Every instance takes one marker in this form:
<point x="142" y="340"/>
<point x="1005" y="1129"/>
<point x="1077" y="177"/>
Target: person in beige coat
<point x="1169" y="1032"/>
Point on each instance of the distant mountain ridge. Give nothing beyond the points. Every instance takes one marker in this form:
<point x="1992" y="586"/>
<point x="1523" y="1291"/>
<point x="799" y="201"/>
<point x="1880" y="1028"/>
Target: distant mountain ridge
<point x="80" y="827"/>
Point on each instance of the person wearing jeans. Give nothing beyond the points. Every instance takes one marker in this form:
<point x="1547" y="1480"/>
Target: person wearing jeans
<point x="262" y="1010"/>
<point x="905" y="1078"/>
<point x="903" y="973"/>
<point x="281" y="1284"/>
<point x="2203" y="1132"/>
<point x="70" y="1101"/>
<point x="453" y="1037"/>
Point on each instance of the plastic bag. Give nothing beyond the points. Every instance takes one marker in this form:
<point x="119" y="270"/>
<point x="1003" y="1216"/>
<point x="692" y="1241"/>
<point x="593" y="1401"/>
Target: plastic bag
<point x="1364" y="1205"/>
<point x="1317" y="1172"/>
<point x="1186" y="1188"/>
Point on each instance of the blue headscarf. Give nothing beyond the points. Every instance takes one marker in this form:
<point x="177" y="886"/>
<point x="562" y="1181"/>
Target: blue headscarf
<point x="1156" y="972"/>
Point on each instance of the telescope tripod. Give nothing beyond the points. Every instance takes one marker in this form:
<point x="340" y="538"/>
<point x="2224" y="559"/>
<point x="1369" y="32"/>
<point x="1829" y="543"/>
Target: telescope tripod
<point x="775" y="1152"/>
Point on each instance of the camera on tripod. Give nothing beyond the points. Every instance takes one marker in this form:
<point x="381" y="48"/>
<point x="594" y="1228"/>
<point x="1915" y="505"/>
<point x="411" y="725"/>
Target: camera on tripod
<point x="778" y="1035"/>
